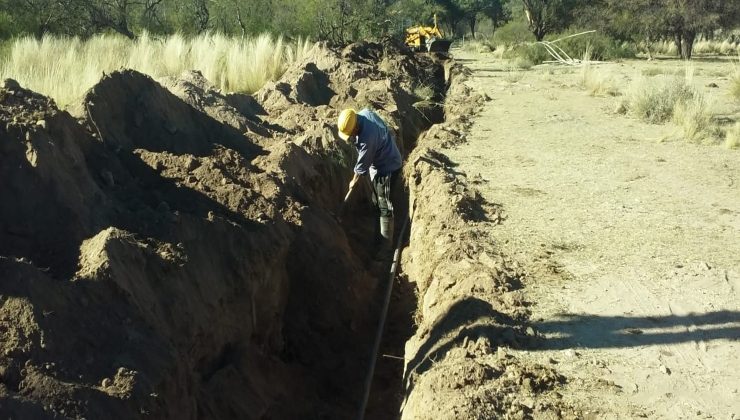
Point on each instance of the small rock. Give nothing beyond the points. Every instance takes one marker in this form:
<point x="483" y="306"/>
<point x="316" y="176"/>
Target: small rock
<point x="224" y="181"/>
<point x="192" y="164"/>
<point x="106" y="383"/>
<point x="41" y="123"/>
<point x="633" y="388"/>
<point x="570" y="353"/>
<point x="527" y="384"/>
<point x="713" y="85"/>
<point x="664" y="369"/>
<point x="531" y="332"/>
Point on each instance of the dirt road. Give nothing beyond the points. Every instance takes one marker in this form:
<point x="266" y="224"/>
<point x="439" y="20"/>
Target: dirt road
<point x="631" y="245"/>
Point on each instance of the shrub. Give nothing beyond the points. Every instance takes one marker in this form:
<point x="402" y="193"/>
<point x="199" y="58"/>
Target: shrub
<point x="596" y="82"/>
<point x="655" y="99"/>
<point x="735" y="81"/>
<point x="601" y="47"/>
<point x="513" y="33"/>
<point x="692" y="116"/>
<point x="479" y="46"/>
<point x="529" y="53"/>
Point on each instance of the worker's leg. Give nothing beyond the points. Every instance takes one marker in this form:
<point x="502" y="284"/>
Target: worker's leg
<point x="382" y="185"/>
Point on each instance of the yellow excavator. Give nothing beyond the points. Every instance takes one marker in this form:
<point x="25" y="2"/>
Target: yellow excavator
<point x="427" y="39"/>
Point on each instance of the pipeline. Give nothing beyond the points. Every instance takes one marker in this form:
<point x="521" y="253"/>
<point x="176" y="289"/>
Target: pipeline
<point x="381" y="322"/>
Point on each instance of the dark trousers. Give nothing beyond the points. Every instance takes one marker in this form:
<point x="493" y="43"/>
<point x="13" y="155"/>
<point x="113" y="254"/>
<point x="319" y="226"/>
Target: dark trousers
<point x="382" y="186"/>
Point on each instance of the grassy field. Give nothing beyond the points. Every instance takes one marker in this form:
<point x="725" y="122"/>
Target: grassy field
<point x="64" y="68"/>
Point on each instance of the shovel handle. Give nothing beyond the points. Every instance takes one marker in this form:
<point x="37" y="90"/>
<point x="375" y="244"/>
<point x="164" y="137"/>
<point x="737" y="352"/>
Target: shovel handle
<point x="351" y="188"/>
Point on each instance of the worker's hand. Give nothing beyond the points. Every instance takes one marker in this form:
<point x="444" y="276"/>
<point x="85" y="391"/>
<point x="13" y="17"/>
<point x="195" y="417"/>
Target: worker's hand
<point x="353" y="182"/>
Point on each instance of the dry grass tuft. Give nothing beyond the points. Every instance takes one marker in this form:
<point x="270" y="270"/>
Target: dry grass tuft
<point x="522" y="63"/>
<point x="479" y="46"/>
<point x="513" y="75"/>
<point x="694" y="119"/>
<point x="735" y="80"/>
<point x="594" y="81"/>
<point x="64" y="68"/>
<point x="732" y="138"/>
<point x="424" y="92"/>
<point x="654" y="100"/>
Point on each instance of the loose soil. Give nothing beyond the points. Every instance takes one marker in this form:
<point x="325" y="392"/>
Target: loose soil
<point x="169" y="251"/>
<point x="627" y="241"/>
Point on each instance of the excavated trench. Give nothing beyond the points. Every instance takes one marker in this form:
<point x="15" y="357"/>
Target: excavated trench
<point x="169" y="251"/>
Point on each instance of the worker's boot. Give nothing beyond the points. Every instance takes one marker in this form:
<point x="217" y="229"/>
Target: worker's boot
<point x="386" y="242"/>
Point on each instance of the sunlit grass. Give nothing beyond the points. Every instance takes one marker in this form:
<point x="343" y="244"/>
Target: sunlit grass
<point x="593" y="80"/>
<point x="64" y="68"/>
<point x="735" y="80"/>
<point x="654" y="99"/>
<point x="732" y="139"/>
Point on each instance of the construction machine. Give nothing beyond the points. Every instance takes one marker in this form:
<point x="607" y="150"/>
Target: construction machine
<point x="427" y="39"/>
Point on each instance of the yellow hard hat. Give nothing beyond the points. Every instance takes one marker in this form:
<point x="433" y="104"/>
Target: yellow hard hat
<point x="346" y="123"/>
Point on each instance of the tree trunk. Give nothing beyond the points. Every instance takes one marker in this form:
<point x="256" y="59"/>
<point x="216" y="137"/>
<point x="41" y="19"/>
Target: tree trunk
<point x="539" y="33"/>
<point x="472" y="22"/>
<point x="687" y="47"/>
<point x="679" y="47"/>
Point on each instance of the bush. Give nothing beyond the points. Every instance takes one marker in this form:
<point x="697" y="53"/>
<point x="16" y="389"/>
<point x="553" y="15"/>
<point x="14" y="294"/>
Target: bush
<point x="530" y="53"/>
<point x="735" y="82"/>
<point x="601" y="47"/>
<point x="655" y="100"/>
<point x="693" y="118"/>
<point x="596" y="82"/>
<point x="513" y="33"/>
<point x="6" y="28"/>
<point x="479" y="46"/>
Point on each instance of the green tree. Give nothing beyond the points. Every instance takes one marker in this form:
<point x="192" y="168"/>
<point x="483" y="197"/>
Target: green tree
<point x="548" y="16"/>
<point x="680" y="21"/>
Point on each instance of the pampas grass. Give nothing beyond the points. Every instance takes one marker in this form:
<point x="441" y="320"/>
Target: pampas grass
<point x="64" y="68"/>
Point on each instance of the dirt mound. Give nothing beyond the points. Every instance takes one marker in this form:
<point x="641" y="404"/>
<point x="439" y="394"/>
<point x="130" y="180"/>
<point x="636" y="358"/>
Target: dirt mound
<point x="236" y="110"/>
<point x="172" y="254"/>
<point x="470" y="309"/>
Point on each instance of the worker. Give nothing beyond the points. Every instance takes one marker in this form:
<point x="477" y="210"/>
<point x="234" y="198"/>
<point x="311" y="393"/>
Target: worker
<point x="377" y="156"/>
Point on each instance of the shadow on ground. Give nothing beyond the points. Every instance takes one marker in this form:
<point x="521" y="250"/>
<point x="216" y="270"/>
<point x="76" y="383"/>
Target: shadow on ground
<point x="592" y="331"/>
<point x="471" y="318"/>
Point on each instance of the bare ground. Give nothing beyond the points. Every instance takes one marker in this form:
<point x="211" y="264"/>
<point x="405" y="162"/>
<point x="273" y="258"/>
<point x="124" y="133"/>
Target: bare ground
<point x="630" y="245"/>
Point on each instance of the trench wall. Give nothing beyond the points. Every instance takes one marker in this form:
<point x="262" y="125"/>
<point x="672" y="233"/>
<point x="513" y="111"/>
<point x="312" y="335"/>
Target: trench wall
<point x="170" y="251"/>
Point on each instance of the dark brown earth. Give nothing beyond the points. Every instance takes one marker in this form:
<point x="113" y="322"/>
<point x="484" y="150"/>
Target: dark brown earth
<point x="170" y="251"/>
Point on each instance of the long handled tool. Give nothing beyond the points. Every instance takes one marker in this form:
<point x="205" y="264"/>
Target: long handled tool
<point x="346" y="198"/>
<point x="339" y="212"/>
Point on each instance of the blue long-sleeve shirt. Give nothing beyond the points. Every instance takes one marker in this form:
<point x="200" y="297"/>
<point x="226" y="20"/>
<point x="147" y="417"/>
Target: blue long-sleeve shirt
<point x="377" y="152"/>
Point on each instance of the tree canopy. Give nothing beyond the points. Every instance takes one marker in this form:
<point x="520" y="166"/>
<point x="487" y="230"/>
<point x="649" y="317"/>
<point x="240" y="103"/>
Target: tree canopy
<point x="680" y="21"/>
